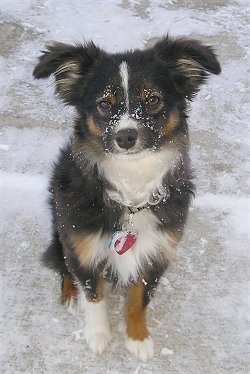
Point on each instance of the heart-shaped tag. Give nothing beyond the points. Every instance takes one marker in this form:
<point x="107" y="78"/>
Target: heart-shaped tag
<point x="122" y="241"/>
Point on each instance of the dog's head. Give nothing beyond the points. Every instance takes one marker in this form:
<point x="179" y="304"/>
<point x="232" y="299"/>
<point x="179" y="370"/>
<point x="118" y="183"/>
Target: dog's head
<point x="129" y="102"/>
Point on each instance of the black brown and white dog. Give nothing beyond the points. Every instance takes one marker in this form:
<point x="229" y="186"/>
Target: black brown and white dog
<point x="121" y="188"/>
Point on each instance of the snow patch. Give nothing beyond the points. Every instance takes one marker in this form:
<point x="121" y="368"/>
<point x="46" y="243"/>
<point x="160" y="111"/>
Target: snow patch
<point x="4" y="147"/>
<point x="166" y="352"/>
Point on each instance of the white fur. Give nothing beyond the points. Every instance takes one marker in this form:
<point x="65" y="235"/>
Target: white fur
<point x="142" y="349"/>
<point x="72" y="306"/>
<point x="136" y="179"/>
<point x="97" y="331"/>
<point x="124" y="74"/>
<point x="148" y="246"/>
<point x="126" y="122"/>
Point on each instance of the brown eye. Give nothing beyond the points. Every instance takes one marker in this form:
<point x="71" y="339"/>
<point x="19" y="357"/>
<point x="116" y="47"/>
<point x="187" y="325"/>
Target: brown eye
<point x="154" y="100"/>
<point x="104" y="105"/>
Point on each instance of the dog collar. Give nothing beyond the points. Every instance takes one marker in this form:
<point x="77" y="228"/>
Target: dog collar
<point x="133" y="210"/>
<point x="122" y="240"/>
<point x="157" y="197"/>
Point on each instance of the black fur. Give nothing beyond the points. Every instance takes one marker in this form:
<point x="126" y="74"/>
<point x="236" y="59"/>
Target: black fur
<point x="168" y="74"/>
<point x="89" y="68"/>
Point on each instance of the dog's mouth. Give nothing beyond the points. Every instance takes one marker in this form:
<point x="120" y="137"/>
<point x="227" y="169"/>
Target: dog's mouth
<point x="129" y="155"/>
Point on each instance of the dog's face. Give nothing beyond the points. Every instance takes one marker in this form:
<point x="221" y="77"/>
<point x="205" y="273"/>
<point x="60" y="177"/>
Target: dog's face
<point x="130" y="102"/>
<point x="129" y="110"/>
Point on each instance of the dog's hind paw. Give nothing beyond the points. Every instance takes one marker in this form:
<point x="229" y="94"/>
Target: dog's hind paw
<point x="142" y="349"/>
<point x="72" y="306"/>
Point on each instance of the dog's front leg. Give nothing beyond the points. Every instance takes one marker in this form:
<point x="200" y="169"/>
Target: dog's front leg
<point x="97" y="330"/>
<point x="138" y="340"/>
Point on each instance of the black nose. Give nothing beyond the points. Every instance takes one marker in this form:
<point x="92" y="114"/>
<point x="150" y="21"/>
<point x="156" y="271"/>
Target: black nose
<point x="126" y="138"/>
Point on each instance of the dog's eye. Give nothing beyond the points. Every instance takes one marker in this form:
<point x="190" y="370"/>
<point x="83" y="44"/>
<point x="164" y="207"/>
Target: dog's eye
<point x="153" y="100"/>
<point x="104" y="105"/>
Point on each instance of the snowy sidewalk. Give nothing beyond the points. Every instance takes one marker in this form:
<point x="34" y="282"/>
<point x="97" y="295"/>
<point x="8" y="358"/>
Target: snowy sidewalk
<point x="199" y="318"/>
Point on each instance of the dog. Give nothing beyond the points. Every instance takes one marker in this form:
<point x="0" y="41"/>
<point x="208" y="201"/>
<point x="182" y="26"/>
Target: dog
<point x="121" y="188"/>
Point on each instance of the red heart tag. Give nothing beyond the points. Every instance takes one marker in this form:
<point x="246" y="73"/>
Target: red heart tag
<point x="122" y="241"/>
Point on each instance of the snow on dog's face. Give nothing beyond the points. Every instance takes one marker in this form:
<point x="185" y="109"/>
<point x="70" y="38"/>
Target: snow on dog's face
<point x="131" y="111"/>
<point x="129" y="102"/>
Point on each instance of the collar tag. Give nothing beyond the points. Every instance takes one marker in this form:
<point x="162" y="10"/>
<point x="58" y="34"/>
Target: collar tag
<point x="122" y="241"/>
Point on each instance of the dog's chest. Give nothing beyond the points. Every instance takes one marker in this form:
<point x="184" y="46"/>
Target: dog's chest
<point x="147" y="248"/>
<point x="137" y="182"/>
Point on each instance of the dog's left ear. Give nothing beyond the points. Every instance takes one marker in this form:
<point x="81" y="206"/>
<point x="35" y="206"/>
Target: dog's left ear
<point x="71" y="66"/>
<point x="188" y="62"/>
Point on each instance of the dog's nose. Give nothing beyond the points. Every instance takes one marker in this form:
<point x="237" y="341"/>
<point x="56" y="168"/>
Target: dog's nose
<point x="126" y="138"/>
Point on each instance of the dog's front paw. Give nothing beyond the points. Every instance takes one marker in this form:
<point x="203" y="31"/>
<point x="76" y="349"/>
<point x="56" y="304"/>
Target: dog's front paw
<point x="97" y="340"/>
<point x="97" y="329"/>
<point x="143" y="349"/>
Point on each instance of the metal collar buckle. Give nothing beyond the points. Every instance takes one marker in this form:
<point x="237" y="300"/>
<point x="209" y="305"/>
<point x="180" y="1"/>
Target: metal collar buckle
<point x="133" y="210"/>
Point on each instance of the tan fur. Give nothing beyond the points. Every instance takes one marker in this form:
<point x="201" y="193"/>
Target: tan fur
<point x="135" y="314"/>
<point x="189" y="66"/>
<point x="69" y="290"/>
<point x="82" y="246"/>
<point x="170" y="124"/>
<point x="93" y="127"/>
<point x="66" y="76"/>
<point x="91" y="249"/>
<point x="110" y="96"/>
<point x="145" y="93"/>
<point x="172" y="239"/>
<point x="70" y="67"/>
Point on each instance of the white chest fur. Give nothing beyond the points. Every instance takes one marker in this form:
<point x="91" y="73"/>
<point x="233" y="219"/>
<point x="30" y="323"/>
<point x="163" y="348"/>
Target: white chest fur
<point x="137" y="181"/>
<point x="151" y="244"/>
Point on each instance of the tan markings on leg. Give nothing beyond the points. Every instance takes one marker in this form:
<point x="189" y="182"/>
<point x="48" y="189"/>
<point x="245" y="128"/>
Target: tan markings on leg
<point x="99" y="294"/>
<point x="172" y="238"/>
<point x="135" y="314"/>
<point x="93" y="127"/>
<point x="176" y="234"/>
<point x="171" y="124"/>
<point x="69" y="290"/>
<point x="86" y="248"/>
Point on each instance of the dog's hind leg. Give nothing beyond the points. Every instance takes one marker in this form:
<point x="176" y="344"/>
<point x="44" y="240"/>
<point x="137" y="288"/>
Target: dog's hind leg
<point x="69" y="293"/>
<point x="82" y="289"/>
<point x="53" y="258"/>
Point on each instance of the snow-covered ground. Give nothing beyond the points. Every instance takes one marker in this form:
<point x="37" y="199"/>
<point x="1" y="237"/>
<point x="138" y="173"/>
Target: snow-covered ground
<point x="200" y="314"/>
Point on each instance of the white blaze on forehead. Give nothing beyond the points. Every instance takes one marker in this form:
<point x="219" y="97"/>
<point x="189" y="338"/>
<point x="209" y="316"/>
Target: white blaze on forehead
<point x="123" y="69"/>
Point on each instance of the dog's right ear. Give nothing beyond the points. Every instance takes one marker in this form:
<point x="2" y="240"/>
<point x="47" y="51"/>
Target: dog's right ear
<point x="71" y="65"/>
